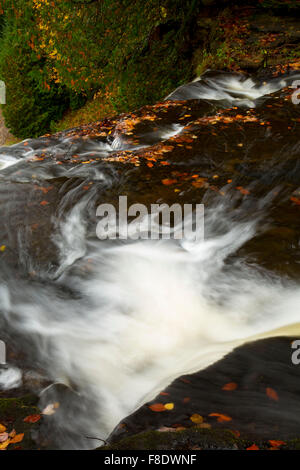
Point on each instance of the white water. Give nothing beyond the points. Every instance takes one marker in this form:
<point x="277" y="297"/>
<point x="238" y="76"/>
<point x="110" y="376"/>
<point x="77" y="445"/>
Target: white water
<point x="148" y="312"/>
<point x="234" y="88"/>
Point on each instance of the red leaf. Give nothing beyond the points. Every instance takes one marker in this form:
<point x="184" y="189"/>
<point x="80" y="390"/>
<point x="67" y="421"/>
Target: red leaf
<point x="253" y="447"/>
<point x="32" y="418"/>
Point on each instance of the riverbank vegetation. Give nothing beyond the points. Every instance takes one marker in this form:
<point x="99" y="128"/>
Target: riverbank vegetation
<point x="68" y="62"/>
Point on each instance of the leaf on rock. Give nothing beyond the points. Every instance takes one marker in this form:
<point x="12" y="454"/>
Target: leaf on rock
<point x="253" y="447"/>
<point x="272" y="394"/>
<point x="3" y="436"/>
<point x="221" y="418"/>
<point x="196" y="418"/>
<point x="169" y="406"/>
<point x="17" y="438"/>
<point x="158" y="407"/>
<point x="32" y="419"/>
<point x="230" y="386"/>
<point x="276" y="443"/>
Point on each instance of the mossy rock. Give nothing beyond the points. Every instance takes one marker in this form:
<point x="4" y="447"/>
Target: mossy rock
<point x="12" y="414"/>
<point x="195" y="439"/>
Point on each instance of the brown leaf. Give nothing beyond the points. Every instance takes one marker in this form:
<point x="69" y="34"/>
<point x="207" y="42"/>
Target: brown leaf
<point x="272" y="394"/>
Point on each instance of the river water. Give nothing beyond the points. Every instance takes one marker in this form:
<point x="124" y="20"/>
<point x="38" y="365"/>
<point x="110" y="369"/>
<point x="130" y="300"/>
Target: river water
<point x="112" y="322"/>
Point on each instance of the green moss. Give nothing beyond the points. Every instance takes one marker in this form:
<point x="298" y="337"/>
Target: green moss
<point x="12" y="414"/>
<point x="192" y="439"/>
<point x="180" y="440"/>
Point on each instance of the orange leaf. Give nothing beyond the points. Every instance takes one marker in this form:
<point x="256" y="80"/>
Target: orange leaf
<point x="32" y="418"/>
<point x="168" y="181"/>
<point x="17" y="438"/>
<point x="253" y="447"/>
<point x="296" y="200"/>
<point x="272" y="394"/>
<point x="44" y="203"/>
<point x="243" y="190"/>
<point x="158" y="407"/>
<point x="221" y="418"/>
<point x="230" y="386"/>
<point x="276" y="443"/>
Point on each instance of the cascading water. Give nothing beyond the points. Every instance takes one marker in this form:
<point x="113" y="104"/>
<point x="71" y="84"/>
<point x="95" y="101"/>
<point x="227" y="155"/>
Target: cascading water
<point x="116" y="321"/>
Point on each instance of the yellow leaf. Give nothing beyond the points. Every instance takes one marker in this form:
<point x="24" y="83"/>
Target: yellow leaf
<point x="2" y="428"/>
<point x="2" y="247"/>
<point x="169" y="406"/>
<point x="197" y="419"/>
<point x="3" y="445"/>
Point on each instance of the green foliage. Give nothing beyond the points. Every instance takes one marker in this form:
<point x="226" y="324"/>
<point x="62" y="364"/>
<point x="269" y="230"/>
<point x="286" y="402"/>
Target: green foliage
<point x="30" y="105"/>
<point x="64" y="51"/>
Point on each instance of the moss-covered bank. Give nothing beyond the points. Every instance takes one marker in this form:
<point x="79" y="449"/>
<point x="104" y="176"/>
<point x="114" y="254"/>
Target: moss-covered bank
<point x="197" y="439"/>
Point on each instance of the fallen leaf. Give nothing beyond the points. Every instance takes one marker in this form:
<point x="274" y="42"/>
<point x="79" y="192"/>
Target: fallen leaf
<point x="2" y="248"/>
<point x="169" y="406"/>
<point x="17" y="438"/>
<point x="3" y="436"/>
<point x="49" y="410"/>
<point x="243" y="190"/>
<point x="158" y="407"/>
<point x="44" y="203"/>
<point x="204" y="426"/>
<point x="221" y="418"/>
<point x="2" y="428"/>
<point x="166" y="429"/>
<point x="32" y="418"/>
<point x="272" y="394"/>
<point x="253" y="447"/>
<point x="168" y="181"/>
<point x="230" y="386"/>
<point x="3" y="445"/>
<point x="196" y="418"/>
<point x="276" y="443"/>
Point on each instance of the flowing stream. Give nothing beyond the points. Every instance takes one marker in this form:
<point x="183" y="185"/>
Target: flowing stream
<point x="109" y="323"/>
